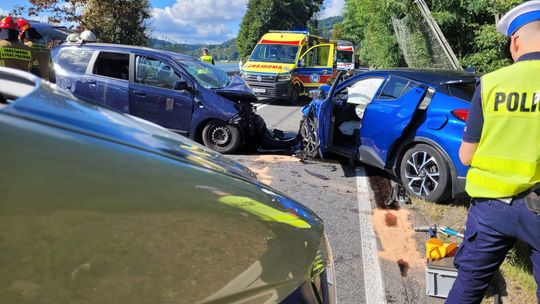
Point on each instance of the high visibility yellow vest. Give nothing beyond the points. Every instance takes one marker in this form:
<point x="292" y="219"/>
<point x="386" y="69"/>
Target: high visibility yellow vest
<point x="507" y="161"/>
<point x="207" y="58"/>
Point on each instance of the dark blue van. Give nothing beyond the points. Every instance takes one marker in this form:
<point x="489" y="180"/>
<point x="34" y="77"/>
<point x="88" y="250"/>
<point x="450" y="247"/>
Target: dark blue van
<point x="175" y="91"/>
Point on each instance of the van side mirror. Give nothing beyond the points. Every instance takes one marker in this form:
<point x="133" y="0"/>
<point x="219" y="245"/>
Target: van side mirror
<point x="182" y="85"/>
<point x="302" y="63"/>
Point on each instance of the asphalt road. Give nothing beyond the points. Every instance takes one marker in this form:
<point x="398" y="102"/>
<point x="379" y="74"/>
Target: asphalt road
<point x="376" y="260"/>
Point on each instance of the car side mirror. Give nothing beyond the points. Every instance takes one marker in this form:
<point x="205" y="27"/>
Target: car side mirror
<point x="182" y="85"/>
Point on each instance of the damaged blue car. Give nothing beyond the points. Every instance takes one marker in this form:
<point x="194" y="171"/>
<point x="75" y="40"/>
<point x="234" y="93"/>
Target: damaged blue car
<point x="407" y="122"/>
<point x="175" y="91"/>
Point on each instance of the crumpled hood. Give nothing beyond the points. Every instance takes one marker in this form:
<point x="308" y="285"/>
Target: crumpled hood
<point x="61" y="109"/>
<point x="237" y="89"/>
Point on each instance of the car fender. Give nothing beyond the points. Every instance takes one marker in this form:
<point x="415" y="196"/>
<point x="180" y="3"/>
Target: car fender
<point x="457" y="188"/>
<point x="211" y="106"/>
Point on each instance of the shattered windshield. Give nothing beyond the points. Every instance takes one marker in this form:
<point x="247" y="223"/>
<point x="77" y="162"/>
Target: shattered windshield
<point x="206" y="75"/>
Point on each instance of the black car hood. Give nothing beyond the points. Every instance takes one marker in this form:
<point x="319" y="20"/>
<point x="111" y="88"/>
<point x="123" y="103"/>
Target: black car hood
<point x="60" y="108"/>
<point x="237" y="90"/>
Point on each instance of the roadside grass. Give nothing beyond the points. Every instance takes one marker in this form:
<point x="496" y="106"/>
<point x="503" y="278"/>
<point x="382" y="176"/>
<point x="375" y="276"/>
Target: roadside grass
<point x="517" y="283"/>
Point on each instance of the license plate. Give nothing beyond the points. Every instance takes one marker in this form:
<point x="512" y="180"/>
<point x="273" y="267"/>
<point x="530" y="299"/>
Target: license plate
<point x="257" y="90"/>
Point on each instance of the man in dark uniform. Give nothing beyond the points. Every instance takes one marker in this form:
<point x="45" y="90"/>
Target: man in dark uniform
<point x="501" y="143"/>
<point x="13" y="53"/>
<point x="42" y="64"/>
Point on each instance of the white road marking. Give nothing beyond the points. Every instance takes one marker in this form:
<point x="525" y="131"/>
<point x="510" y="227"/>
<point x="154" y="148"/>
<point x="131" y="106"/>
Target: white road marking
<point x="263" y="104"/>
<point x="373" y="281"/>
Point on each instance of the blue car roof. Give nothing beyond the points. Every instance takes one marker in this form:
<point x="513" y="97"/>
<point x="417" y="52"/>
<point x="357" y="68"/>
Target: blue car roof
<point x="124" y="47"/>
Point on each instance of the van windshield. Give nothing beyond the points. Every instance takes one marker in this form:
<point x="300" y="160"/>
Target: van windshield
<point x="206" y="75"/>
<point x="344" y="56"/>
<point x="274" y="53"/>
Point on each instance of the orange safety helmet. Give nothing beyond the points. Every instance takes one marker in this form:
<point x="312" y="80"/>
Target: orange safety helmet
<point x="27" y="31"/>
<point x="8" y="23"/>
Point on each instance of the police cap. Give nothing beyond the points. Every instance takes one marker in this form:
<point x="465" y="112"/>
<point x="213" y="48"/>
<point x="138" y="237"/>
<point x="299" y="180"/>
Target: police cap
<point x="519" y="16"/>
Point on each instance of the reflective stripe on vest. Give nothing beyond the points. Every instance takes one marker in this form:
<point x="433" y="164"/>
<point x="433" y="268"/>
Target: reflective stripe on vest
<point x="13" y="53"/>
<point x="507" y="161"/>
<point x="207" y="59"/>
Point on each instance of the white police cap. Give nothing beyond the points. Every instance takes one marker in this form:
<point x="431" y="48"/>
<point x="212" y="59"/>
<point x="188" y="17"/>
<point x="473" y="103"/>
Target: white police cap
<point x="519" y="16"/>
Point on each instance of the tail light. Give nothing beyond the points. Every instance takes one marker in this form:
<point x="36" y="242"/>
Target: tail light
<point x="461" y="114"/>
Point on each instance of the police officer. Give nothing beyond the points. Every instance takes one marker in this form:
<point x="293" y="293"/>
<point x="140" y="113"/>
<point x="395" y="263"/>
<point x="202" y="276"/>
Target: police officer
<point x="41" y="55"/>
<point x="206" y="57"/>
<point x="13" y="53"/>
<point x="501" y="143"/>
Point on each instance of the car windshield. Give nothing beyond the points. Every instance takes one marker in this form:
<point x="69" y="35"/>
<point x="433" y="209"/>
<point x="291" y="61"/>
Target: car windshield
<point x="274" y="53"/>
<point x="344" y="56"/>
<point x="206" y="75"/>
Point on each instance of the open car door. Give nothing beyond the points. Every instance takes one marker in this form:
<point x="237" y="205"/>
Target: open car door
<point x="387" y="116"/>
<point x="323" y="116"/>
<point x="315" y="66"/>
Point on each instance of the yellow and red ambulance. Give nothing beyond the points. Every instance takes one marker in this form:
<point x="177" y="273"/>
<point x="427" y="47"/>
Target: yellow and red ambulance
<point x="288" y="64"/>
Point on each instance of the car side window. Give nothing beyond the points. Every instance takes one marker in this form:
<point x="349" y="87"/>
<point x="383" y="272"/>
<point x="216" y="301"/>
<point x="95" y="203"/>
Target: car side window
<point x="74" y="60"/>
<point x="111" y="64"/>
<point x="396" y="87"/>
<point x="153" y="72"/>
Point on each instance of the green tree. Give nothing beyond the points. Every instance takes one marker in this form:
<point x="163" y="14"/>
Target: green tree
<point x="118" y="21"/>
<point x="114" y="21"/>
<point x="469" y="27"/>
<point x="265" y="15"/>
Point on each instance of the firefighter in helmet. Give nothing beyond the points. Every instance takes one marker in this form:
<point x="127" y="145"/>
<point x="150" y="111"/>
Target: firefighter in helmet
<point x="41" y="55"/>
<point x="13" y="54"/>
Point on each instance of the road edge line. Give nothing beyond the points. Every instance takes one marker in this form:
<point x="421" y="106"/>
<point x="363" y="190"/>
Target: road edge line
<point x="370" y="259"/>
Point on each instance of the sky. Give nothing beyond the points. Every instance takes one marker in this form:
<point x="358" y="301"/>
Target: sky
<point x="197" y="21"/>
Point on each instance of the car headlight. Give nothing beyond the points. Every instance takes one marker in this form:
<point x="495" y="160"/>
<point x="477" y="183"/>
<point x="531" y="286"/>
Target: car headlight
<point x="284" y="77"/>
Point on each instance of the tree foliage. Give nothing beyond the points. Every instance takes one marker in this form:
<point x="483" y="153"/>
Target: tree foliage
<point x="118" y="21"/>
<point x="265" y="15"/>
<point x="114" y="21"/>
<point x="469" y="27"/>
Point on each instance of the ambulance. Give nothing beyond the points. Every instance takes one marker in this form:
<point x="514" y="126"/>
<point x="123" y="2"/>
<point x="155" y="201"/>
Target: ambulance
<point x="289" y="64"/>
<point x="344" y="55"/>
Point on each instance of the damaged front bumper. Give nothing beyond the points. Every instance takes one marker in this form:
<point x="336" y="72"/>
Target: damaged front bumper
<point x="256" y="134"/>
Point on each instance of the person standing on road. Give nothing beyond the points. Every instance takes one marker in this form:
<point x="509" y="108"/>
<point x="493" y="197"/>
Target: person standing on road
<point x="206" y="57"/>
<point x="13" y="54"/>
<point x="500" y="143"/>
<point x="42" y="64"/>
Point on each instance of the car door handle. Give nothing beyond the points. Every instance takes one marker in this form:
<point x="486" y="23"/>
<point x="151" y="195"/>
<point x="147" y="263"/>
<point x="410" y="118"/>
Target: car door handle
<point x="90" y="81"/>
<point x="139" y="93"/>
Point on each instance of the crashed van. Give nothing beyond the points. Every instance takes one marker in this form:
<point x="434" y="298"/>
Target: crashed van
<point x="178" y="92"/>
<point x="288" y="64"/>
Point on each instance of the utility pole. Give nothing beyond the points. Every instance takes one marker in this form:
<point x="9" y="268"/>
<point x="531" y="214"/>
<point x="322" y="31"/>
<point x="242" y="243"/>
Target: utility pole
<point x="424" y="9"/>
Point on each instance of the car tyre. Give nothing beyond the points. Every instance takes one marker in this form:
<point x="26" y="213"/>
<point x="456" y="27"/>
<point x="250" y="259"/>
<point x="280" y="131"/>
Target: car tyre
<point x="309" y="137"/>
<point x="221" y="137"/>
<point x="295" y="95"/>
<point x="425" y="173"/>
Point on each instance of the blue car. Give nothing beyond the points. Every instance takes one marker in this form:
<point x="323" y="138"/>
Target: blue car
<point x="408" y="122"/>
<point x="175" y="91"/>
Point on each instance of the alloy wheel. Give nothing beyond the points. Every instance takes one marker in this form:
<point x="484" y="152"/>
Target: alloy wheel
<point x="422" y="173"/>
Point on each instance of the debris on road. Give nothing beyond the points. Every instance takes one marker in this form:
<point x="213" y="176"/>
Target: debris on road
<point x="317" y="175"/>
